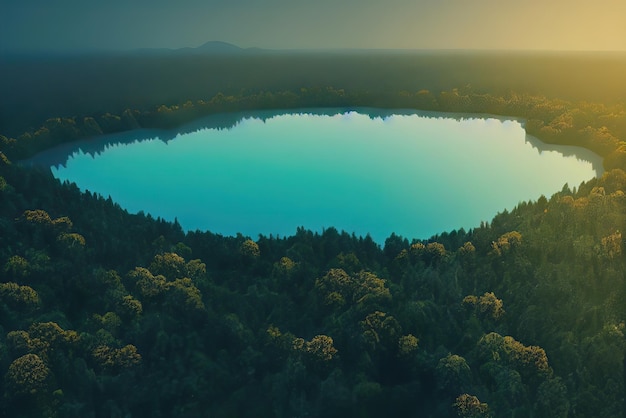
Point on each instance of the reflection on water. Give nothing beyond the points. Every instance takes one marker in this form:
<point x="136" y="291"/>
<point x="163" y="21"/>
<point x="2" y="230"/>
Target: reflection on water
<point x="371" y="171"/>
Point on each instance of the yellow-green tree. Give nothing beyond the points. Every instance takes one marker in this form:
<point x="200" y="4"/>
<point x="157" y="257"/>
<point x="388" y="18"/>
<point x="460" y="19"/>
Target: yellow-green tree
<point x="453" y="374"/>
<point x="487" y="305"/>
<point x="19" y="297"/>
<point x="249" y="249"/>
<point x="28" y="375"/>
<point x="170" y="265"/>
<point x="321" y="348"/>
<point x="471" y="407"/>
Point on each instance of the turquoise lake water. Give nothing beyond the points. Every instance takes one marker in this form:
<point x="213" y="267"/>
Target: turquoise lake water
<point x="360" y="171"/>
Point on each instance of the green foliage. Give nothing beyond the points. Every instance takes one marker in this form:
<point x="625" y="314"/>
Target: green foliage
<point x="71" y="241"/>
<point x="506" y="242"/>
<point x="148" y="285"/>
<point x="182" y="293"/>
<point x="115" y="359"/>
<point x="52" y="335"/>
<point x="285" y="265"/>
<point x="453" y="374"/>
<point x="130" y="307"/>
<point x="229" y="332"/>
<point x="37" y="217"/>
<point x="407" y="345"/>
<point x="196" y="270"/>
<point x="27" y="375"/>
<point x="250" y="249"/>
<point x="380" y="331"/>
<point x="487" y="305"/>
<point x="110" y="321"/>
<point x="4" y="161"/>
<point x="435" y="252"/>
<point x="471" y="406"/>
<point x="320" y="347"/>
<point x="552" y="400"/>
<point x="64" y="224"/>
<point x="467" y="249"/>
<point x="530" y="361"/>
<point x="17" y="267"/>
<point x="362" y="290"/>
<point x="19" y="297"/>
<point x="169" y="265"/>
<point x="20" y="343"/>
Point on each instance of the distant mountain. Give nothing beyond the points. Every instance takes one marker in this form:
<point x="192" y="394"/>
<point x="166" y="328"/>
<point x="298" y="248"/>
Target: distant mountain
<point x="208" y="48"/>
<point x="218" y="47"/>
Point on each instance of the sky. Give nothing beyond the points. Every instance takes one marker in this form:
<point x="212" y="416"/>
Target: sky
<point x="66" y="25"/>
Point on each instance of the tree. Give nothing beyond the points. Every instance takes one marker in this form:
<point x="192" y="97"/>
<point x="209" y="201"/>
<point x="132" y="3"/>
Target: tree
<point x="612" y="246"/>
<point x="321" y="348"/>
<point x="370" y="290"/>
<point x="453" y="374"/>
<point x="72" y="245"/>
<point x="20" y="343"/>
<point x="17" y="267"/>
<point x="363" y="289"/>
<point x="467" y="249"/>
<point x="71" y="241"/>
<point x="393" y="245"/>
<point x="530" y="361"/>
<point x="170" y="265"/>
<point x="488" y="305"/>
<point x="284" y="268"/>
<point x="335" y="287"/>
<point x="63" y="224"/>
<point x="250" y="249"/>
<point x="183" y="295"/>
<point x="37" y="217"/>
<point x="110" y="322"/>
<point x="506" y="242"/>
<point x="470" y="406"/>
<point x="148" y="285"/>
<point x="116" y="359"/>
<point x="130" y="307"/>
<point x="380" y="331"/>
<point x="19" y="297"/>
<point x="407" y="345"/>
<point x="196" y="270"/>
<point x="349" y="262"/>
<point x="27" y="375"/>
<point x="52" y="334"/>
<point x="435" y="252"/>
<point x="552" y="400"/>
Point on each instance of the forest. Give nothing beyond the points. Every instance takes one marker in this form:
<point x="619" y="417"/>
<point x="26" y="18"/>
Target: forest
<point x="106" y="313"/>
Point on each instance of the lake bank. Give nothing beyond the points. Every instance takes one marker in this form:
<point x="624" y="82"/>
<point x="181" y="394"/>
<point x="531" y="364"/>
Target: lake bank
<point x="95" y="145"/>
<point x="384" y="168"/>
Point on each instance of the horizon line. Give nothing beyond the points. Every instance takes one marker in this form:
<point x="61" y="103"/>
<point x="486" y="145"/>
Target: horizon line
<point x="64" y="51"/>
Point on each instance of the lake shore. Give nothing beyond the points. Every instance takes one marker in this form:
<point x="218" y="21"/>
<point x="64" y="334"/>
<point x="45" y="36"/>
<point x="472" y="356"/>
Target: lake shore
<point x="271" y="172"/>
<point x="57" y="156"/>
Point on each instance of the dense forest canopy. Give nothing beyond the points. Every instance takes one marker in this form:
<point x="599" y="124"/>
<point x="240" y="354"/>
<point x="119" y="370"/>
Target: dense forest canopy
<point x="106" y="313"/>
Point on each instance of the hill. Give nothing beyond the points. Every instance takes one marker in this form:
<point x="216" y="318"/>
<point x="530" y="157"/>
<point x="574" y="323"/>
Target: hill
<point x="210" y="48"/>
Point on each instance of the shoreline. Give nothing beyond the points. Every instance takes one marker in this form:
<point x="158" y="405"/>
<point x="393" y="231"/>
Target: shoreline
<point x="58" y="155"/>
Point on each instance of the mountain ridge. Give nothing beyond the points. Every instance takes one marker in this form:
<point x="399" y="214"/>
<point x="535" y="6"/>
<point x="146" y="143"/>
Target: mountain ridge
<point x="207" y="48"/>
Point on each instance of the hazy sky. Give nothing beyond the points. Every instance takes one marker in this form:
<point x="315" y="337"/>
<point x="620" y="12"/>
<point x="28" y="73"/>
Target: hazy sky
<point x="410" y="24"/>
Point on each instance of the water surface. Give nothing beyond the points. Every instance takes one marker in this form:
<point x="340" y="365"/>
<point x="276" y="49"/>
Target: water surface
<point x="409" y="173"/>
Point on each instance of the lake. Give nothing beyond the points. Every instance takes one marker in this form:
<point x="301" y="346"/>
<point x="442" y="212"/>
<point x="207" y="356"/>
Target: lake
<point x="365" y="171"/>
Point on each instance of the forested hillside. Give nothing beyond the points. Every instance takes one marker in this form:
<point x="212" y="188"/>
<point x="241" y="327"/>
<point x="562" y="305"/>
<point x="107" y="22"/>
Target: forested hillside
<point x="111" y="314"/>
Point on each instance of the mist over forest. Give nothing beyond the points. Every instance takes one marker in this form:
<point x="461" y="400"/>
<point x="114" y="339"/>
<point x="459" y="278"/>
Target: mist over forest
<point x="32" y="85"/>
